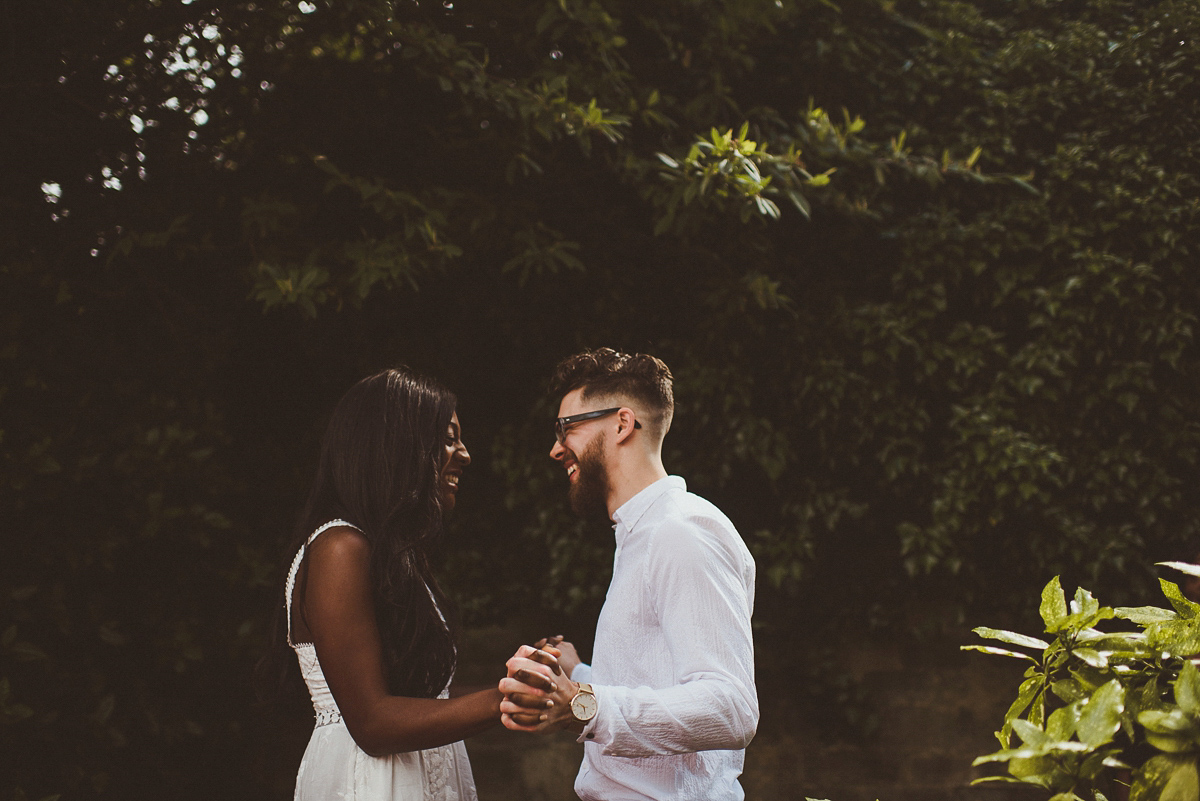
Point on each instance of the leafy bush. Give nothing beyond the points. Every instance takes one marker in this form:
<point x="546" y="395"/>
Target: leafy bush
<point x="1098" y="708"/>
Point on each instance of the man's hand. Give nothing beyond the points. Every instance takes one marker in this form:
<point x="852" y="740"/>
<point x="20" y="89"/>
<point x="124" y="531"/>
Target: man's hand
<point x="537" y="697"/>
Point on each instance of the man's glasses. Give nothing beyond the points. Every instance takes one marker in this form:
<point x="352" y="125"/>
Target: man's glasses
<point x="561" y="423"/>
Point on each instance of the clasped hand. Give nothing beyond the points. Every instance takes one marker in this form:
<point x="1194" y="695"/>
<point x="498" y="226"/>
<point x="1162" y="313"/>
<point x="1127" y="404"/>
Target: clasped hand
<point x="538" y="689"/>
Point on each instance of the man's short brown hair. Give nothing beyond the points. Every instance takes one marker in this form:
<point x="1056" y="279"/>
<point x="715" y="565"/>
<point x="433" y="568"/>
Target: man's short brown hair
<point x="604" y="372"/>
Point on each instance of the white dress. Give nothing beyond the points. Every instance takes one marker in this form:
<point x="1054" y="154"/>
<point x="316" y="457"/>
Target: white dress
<point x="334" y="767"/>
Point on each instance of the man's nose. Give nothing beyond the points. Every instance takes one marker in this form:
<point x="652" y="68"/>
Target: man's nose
<point x="557" y="450"/>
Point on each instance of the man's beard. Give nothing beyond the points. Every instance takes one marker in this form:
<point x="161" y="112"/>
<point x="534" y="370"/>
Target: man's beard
<point x="589" y="493"/>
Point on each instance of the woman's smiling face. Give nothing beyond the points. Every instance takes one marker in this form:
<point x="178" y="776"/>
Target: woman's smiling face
<point x="455" y="459"/>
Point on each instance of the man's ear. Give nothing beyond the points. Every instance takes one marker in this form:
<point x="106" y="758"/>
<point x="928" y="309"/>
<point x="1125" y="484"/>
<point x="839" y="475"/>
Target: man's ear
<point x="625" y="422"/>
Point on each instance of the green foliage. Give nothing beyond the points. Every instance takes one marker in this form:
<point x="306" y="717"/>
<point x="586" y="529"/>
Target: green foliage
<point x="727" y="172"/>
<point x="1097" y="707"/>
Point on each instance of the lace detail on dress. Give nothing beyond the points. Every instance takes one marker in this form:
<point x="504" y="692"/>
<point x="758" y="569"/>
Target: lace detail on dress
<point x="327" y="716"/>
<point x="441" y="769"/>
<point x="437" y="773"/>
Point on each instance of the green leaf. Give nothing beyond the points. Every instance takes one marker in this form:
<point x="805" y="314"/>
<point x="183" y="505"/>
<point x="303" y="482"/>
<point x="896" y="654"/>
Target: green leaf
<point x="1025" y="693"/>
<point x="1180" y="638"/>
<point x="1012" y="638"/>
<point x="1028" y="187"/>
<point x="1187" y="609"/>
<point x="800" y="202"/>
<point x="1009" y="754"/>
<point x="1187" y="689"/>
<point x="1166" y="721"/>
<point x="1085" y="612"/>
<point x="1037" y="710"/>
<point x="1084" y="603"/>
<point x="1117" y="644"/>
<point x="1151" y="778"/>
<point x="1113" y="762"/>
<point x="1182" y="567"/>
<point x="1062" y="722"/>
<point x="1069" y="690"/>
<point x="1029" y="733"/>
<point x="1054" y="605"/>
<point x="1170" y="730"/>
<point x="1146" y="698"/>
<point x="1091" y="657"/>
<point x="1101" y="715"/>
<point x="1170" y="743"/>
<point x="1183" y="785"/>
<point x="1005" y="779"/>
<point x="1145" y="615"/>
<point x="989" y="649"/>
<point x="1035" y="770"/>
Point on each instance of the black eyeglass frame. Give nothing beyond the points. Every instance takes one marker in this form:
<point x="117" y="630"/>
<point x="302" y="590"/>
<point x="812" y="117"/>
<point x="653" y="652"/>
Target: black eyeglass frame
<point x="561" y="423"/>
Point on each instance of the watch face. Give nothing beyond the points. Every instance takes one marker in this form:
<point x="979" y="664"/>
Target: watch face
<point x="583" y="706"/>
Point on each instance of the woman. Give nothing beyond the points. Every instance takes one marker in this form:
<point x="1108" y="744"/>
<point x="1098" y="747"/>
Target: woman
<point x="364" y="611"/>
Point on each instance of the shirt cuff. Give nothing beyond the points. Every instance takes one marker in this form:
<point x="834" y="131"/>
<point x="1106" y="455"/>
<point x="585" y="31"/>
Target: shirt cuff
<point x="582" y="673"/>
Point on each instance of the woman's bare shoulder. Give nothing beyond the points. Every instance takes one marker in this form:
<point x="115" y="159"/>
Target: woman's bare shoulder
<point x="339" y="545"/>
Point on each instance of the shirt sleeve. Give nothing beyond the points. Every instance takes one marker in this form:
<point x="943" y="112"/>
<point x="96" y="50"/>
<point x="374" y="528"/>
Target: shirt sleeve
<point x="701" y="588"/>
<point x="581" y="673"/>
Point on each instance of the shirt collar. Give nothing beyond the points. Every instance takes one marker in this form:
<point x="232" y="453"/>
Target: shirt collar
<point x="630" y="512"/>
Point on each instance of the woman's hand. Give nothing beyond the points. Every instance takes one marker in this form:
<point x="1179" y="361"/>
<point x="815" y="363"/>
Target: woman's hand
<point x="537" y="696"/>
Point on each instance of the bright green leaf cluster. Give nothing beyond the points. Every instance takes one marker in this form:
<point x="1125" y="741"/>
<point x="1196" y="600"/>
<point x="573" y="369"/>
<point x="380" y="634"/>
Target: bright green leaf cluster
<point x="736" y="173"/>
<point x="1098" y="707"/>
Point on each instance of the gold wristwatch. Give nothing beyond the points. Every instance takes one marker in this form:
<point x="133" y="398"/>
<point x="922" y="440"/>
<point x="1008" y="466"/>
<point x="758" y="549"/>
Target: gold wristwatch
<point x="583" y="705"/>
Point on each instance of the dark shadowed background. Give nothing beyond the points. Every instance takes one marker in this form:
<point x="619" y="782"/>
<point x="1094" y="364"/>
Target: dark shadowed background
<point x="925" y="272"/>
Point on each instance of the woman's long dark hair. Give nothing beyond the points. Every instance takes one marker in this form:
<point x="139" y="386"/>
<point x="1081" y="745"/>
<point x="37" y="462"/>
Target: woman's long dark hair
<point x="380" y="469"/>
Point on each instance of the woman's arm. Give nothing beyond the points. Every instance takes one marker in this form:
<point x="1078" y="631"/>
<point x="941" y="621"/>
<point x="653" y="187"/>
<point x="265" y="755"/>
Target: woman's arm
<point x="341" y="619"/>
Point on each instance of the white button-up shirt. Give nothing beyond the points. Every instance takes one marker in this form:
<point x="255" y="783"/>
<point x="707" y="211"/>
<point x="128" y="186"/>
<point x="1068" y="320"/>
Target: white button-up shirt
<point x="673" y="669"/>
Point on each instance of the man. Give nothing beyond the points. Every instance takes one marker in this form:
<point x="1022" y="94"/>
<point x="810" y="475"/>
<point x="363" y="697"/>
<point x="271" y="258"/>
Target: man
<point x="668" y="706"/>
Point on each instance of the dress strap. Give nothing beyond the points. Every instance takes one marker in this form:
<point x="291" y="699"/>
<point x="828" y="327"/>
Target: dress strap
<point x="291" y="577"/>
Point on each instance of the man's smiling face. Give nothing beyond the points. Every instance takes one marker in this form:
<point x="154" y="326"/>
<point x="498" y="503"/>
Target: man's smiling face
<point x="582" y="455"/>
